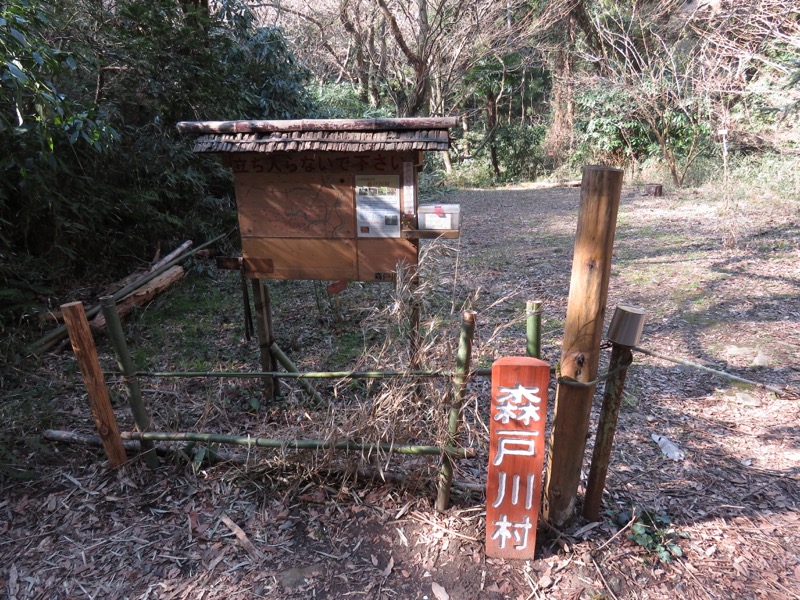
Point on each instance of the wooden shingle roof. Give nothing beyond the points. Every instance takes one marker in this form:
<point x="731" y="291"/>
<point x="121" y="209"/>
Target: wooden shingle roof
<point x="324" y="135"/>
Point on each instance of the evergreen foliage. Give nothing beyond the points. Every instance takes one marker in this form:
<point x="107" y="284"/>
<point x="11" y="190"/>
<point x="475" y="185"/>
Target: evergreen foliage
<point x="93" y="172"/>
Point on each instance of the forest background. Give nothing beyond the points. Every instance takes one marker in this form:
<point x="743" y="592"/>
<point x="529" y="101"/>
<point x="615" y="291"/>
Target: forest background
<point x="95" y="178"/>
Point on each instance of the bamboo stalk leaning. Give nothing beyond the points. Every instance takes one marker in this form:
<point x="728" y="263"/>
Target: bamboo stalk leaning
<point x="125" y="363"/>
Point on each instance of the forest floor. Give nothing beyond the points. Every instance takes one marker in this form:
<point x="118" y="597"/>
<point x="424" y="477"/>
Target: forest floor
<point x="720" y="287"/>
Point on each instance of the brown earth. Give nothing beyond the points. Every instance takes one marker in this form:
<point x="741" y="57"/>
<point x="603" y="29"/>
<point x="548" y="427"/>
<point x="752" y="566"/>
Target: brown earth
<point x="304" y="525"/>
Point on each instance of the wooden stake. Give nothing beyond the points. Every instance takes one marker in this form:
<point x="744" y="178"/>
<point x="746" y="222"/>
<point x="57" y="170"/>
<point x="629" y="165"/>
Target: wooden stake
<point x="606" y="427"/>
<point x="86" y="354"/>
<point x="591" y="270"/>
<point x="265" y="336"/>
<point x="125" y="364"/>
<point x="454" y="417"/>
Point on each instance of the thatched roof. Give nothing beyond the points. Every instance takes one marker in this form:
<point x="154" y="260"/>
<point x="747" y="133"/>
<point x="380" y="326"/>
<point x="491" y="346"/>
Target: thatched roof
<point x="324" y="135"/>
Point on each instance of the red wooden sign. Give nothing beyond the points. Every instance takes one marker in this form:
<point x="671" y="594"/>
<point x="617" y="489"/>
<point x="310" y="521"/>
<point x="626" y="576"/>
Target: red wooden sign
<point x="516" y="456"/>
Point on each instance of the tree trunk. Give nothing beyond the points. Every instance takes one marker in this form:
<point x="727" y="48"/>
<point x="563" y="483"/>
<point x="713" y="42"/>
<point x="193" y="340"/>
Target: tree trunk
<point x="491" y="120"/>
<point x="560" y="137"/>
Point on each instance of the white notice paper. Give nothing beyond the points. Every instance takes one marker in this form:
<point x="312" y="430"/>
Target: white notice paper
<point x="378" y="205"/>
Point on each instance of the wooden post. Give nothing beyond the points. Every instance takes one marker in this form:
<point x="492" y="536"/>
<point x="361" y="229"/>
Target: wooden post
<point x="516" y="454"/>
<point x="125" y="364"/>
<point x="533" y="312"/>
<point x="263" y="310"/>
<point x="606" y="427"/>
<point x="580" y="355"/>
<point x="463" y="360"/>
<point x="82" y="342"/>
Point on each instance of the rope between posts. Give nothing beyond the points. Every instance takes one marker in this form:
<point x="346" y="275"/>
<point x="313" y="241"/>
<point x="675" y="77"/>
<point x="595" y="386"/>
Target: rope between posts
<point x="569" y="381"/>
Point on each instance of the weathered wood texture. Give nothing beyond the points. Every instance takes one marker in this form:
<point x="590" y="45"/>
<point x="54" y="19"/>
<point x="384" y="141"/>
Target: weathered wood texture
<point x="296" y="206"/>
<point x="378" y="257"/>
<point x="298" y="141"/>
<point x="317" y="125"/>
<point x="302" y="258"/>
<point x="299" y="163"/>
<point x="606" y="427"/>
<point x="591" y="269"/>
<point x="516" y="456"/>
<point x="143" y="295"/>
<point x="80" y="336"/>
<point x="302" y="225"/>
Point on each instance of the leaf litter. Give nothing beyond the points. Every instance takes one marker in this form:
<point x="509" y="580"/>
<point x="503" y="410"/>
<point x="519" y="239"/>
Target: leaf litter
<point x="314" y="524"/>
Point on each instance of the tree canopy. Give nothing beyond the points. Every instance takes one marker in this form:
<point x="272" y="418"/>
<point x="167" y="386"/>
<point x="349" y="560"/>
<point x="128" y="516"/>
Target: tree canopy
<point x="93" y="173"/>
<point x="92" y="170"/>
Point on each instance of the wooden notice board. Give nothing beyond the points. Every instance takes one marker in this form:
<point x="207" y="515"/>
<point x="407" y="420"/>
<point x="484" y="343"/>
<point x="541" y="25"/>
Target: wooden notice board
<point x="326" y="216"/>
<point x="516" y="456"/>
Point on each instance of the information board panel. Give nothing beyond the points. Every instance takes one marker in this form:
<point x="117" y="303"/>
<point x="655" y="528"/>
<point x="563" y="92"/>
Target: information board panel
<point x="378" y="206"/>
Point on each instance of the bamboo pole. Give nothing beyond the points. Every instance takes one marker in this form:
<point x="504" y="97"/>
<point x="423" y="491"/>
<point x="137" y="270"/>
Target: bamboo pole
<point x="290" y="366"/>
<point x="125" y="363"/>
<point x="591" y="270"/>
<point x="42" y="344"/>
<point x="241" y="440"/>
<point x="606" y="427"/>
<point x="533" y="312"/>
<point x="172" y="255"/>
<point x="304" y="374"/>
<point x="463" y="359"/>
<point x="686" y="363"/>
<point x="82" y="341"/>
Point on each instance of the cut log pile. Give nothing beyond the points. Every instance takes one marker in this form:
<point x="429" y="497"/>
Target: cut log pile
<point x="143" y="295"/>
<point x="136" y="290"/>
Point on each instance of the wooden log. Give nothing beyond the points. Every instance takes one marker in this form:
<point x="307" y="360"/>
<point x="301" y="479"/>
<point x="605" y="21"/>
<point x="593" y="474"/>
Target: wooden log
<point x="463" y="359"/>
<point x="125" y="364"/>
<point x="143" y="295"/>
<point x="263" y="126"/>
<point x="48" y="341"/>
<point x="606" y="428"/>
<point x="516" y="455"/>
<point x="591" y="270"/>
<point x="80" y="336"/>
<point x="141" y="276"/>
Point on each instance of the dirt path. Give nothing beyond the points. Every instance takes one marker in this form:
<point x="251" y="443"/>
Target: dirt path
<point x="291" y="526"/>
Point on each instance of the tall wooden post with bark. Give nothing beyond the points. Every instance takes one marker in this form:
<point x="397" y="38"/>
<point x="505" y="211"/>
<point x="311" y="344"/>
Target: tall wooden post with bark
<point x="591" y="270"/>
